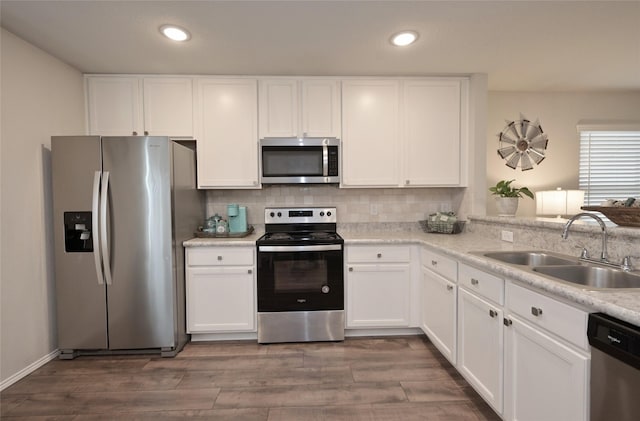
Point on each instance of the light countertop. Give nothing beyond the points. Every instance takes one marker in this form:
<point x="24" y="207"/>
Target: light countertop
<point x="623" y="304"/>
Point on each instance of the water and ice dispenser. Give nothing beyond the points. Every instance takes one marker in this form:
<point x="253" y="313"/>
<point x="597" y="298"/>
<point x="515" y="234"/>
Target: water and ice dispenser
<point x="78" y="232"/>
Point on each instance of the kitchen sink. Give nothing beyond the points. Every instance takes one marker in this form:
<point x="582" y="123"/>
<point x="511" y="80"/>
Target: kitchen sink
<point x="592" y="277"/>
<point x="529" y="258"/>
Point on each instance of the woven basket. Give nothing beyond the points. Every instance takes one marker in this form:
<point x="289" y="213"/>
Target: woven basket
<point x="442" y="227"/>
<point x="623" y="216"/>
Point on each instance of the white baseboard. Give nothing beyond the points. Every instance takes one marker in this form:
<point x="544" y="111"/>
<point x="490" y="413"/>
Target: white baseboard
<point x="28" y="369"/>
<point x="383" y="332"/>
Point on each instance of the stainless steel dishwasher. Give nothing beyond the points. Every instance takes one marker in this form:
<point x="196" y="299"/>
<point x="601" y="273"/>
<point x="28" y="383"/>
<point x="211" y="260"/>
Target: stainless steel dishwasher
<point x="615" y="368"/>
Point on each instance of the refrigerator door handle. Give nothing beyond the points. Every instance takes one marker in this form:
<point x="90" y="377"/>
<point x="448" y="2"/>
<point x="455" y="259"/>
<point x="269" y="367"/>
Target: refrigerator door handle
<point x="95" y="224"/>
<point x="104" y="194"/>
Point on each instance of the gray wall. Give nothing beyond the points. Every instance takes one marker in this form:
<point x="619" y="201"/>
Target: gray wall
<point x="41" y="97"/>
<point x="559" y="113"/>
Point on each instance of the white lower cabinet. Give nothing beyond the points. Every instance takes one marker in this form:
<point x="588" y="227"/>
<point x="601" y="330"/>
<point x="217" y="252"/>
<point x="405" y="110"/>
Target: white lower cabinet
<point x="439" y="302"/>
<point x="546" y="380"/>
<point x="220" y="290"/>
<point x="378" y="295"/>
<point x="378" y="283"/>
<point x="547" y="376"/>
<point x="524" y="352"/>
<point x="480" y="346"/>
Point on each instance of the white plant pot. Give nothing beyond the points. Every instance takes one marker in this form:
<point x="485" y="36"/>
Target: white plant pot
<point x="507" y="206"/>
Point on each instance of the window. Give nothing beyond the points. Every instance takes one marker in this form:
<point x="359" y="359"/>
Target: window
<point x="609" y="164"/>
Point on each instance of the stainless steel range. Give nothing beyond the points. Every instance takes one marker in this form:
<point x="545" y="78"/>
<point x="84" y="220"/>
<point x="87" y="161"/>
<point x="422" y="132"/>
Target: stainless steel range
<point x="300" y="276"/>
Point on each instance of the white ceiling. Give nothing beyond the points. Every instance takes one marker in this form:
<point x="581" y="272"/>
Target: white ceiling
<point x="521" y="45"/>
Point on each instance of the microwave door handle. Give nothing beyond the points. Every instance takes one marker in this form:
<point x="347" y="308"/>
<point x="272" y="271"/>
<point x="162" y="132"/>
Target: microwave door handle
<point x="325" y="161"/>
<point x="95" y="227"/>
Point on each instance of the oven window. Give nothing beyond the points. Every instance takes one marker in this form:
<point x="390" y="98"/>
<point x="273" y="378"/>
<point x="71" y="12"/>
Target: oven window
<point x="291" y="161"/>
<point x="299" y="275"/>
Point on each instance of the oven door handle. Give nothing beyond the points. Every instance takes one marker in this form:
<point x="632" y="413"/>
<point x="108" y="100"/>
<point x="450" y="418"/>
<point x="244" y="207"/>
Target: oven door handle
<point x="323" y="247"/>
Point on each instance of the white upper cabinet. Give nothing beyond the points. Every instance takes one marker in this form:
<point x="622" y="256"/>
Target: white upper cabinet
<point x="299" y="108"/>
<point x="114" y="107"/>
<point x="320" y="111"/>
<point x="409" y="132"/>
<point x="370" y="129"/>
<point x="168" y="106"/>
<point x="226" y="122"/>
<point x="124" y="106"/>
<point x="432" y="132"/>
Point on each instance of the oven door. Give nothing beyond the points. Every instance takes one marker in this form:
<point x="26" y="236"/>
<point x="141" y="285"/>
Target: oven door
<point x="300" y="278"/>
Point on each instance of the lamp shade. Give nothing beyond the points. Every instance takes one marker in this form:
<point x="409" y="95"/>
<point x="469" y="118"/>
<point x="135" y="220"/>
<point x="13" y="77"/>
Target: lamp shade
<point x="559" y="202"/>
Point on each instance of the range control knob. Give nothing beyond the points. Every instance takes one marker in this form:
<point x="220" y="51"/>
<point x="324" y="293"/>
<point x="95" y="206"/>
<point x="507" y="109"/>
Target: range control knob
<point x="325" y="289"/>
<point x="321" y="213"/>
<point x="279" y="214"/>
<point x="272" y="214"/>
<point x="329" y="213"/>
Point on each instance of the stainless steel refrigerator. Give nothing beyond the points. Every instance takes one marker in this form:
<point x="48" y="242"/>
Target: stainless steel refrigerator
<point x="122" y="208"/>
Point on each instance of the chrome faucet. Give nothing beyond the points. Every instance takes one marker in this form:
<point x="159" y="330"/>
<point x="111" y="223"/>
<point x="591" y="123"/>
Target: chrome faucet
<point x="565" y="232"/>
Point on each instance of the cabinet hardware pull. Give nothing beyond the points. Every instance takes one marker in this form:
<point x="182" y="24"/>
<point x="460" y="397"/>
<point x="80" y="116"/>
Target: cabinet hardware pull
<point x="350" y="269"/>
<point x="146" y="133"/>
<point x="449" y="287"/>
<point x="536" y="311"/>
<point x="434" y="263"/>
<point x="492" y="313"/>
<point x="134" y="133"/>
<point x="219" y="257"/>
<point x="474" y="281"/>
<point x="507" y="322"/>
<point x="379" y="255"/>
<point x="249" y="271"/>
<point x="407" y="182"/>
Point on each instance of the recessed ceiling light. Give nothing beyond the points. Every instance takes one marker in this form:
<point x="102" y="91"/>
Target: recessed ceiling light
<point x="404" y="38"/>
<point x="175" y="33"/>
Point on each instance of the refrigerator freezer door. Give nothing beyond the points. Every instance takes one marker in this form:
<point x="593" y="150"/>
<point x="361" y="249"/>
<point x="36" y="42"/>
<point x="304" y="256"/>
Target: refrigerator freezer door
<point x="81" y="298"/>
<point x="141" y="295"/>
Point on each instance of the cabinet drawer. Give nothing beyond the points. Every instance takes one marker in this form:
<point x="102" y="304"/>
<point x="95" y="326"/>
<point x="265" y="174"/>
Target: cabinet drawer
<point x="220" y="256"/>
<point x="440" y="264"/>
<point x="482" y="283"/>
<point x="567" y="322"/>
<point x="375" y="254"/>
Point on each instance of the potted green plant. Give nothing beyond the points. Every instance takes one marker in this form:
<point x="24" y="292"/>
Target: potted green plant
<point x="507" y="197"/>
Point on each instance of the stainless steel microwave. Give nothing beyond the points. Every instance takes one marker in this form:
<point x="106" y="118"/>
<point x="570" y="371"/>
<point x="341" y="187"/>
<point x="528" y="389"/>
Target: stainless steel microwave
<point x="311" y="160"/>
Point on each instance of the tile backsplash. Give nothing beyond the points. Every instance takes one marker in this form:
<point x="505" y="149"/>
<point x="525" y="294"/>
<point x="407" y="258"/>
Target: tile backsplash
<point x="353" y="205"/>
<point x="544" y="234"/>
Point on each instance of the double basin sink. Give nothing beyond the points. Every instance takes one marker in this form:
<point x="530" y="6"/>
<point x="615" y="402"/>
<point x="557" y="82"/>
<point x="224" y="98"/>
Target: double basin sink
<point x="559" y="267"/>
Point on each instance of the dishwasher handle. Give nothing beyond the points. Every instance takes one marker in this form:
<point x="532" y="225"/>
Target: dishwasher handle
<point x="619" y="339"/>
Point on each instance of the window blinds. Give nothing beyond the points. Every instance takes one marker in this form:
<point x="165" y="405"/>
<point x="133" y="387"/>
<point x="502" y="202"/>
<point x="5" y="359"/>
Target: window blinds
<point x="609" y="165"/>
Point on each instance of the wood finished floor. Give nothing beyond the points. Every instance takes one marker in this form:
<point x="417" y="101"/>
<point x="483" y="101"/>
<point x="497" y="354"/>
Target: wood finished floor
<point x="392" y="378"/>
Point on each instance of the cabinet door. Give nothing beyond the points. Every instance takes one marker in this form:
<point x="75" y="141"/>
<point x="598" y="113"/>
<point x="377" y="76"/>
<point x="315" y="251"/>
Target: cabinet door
<point x="378" y="295"/>
<point x="114" y="106"/>
<point x="545" y="379"/>
<point x="278" y="108"/>
<point x="320" y="108"/>
<point x="370" y="133"/>
<point x="439" y="312"/>
<point x="480" y="346"/>
<point x="226" y="122"/>
<point x="220" y="299"/>
<point x="432" y="132"/>
<point x="168" y="106"/>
